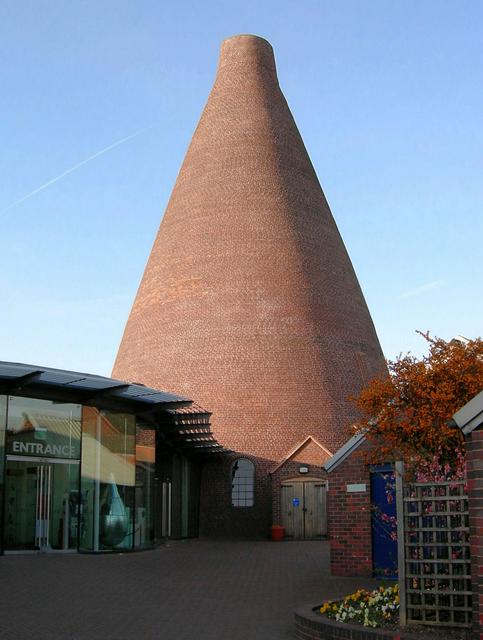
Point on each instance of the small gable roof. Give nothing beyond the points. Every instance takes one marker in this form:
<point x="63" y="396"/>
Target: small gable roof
<point x="470" y="416"/>
<point x="297" y="448"/>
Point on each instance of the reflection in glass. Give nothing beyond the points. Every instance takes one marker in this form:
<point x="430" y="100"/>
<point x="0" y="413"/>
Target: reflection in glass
<point x="43" y="428"/>
<point x="107" y="479"/>
<point x="3" y="417"/>
<point x="114" y="518"/>
<point x="145" y="460"/>
<point x="242" y="474"/>
<point x="41" y="510"/>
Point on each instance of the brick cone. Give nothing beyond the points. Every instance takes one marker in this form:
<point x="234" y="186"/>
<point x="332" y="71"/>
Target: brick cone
<point x="249" y="302"/>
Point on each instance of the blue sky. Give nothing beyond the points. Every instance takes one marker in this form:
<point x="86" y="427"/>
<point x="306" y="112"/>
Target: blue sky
<point x="388" y="99"/>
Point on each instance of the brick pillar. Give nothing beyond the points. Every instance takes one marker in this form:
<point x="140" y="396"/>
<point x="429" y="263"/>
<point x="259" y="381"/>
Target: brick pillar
<point x="474" y="459"/>
<point x="349" y="519"/>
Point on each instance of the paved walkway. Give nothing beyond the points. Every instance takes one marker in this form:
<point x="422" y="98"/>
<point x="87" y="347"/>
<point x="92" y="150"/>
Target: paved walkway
<point x="187" y="590"/>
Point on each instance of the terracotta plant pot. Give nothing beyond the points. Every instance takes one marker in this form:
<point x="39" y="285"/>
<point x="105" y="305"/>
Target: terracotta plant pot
<point x="277" y="532"/>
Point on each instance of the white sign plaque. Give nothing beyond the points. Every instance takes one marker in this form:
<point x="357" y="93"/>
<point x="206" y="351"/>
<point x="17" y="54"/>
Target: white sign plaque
<point x="356" y="488"/>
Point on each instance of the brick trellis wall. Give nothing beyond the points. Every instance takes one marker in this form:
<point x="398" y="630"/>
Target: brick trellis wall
<point x="474" y="460"/>
<point x="349" y="518"/>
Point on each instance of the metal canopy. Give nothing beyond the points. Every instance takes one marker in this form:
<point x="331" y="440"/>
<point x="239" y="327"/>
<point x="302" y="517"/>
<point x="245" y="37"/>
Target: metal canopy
<point x="186" y="426"/>
<point x="25" y="376"/>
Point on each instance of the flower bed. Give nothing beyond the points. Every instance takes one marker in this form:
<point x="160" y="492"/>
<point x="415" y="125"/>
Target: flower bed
<point x="369" y="608"/>
<point x="310" y="625"/>
<point x="365" y="615"/>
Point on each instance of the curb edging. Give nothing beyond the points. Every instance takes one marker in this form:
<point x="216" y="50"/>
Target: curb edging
<point x="310" y="625"/>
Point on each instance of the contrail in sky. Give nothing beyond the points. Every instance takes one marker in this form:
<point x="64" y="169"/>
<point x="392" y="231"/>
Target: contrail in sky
<point x="428" y="286"/>
<point x="74" y="168"/>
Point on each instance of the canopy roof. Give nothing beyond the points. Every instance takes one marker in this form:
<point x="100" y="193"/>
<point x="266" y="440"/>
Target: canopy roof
<point x="184" y="424"/>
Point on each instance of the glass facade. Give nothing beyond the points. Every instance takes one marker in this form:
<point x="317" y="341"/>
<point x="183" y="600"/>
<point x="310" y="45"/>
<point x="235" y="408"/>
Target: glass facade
<point x="73" y="477"/>
<point x="144" y="497"/>
<point x="41" y="473"/>
<point x="108" y="474"/>
<point x="41" y="505"/>
<point x="43" y="428"/>
<point x="181" y="479"/>
<point x="3" y="420"/>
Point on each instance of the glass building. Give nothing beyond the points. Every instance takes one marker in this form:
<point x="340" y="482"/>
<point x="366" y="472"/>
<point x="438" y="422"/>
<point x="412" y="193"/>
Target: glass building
<point x="92" y="464"/>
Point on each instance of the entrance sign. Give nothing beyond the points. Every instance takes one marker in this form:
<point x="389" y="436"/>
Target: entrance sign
<point x="43" y="428"/>
<point x="43" y="449"/>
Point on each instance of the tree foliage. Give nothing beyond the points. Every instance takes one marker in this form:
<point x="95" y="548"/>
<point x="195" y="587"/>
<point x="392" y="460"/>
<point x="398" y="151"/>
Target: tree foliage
<point x="408" y="413"/>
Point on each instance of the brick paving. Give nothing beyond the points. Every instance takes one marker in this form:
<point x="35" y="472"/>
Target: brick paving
<point x="186" y="590"/>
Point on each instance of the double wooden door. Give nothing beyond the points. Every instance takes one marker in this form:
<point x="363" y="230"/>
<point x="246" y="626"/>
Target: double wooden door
<point x="304" y="509"/>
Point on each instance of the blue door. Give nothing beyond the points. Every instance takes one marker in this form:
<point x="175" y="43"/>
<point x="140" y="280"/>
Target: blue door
<point x="384" y="522"/>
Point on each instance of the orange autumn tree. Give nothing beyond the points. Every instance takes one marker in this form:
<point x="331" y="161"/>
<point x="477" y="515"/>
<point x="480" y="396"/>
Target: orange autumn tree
<point x="407" y="415"/>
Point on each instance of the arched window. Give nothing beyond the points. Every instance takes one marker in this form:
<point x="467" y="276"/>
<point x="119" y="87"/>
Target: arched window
<point x="242" y="480"/>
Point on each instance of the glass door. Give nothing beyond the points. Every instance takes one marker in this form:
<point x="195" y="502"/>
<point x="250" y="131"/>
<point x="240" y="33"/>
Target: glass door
<point x="43" y="490"/>
<point x="41" y="504"/>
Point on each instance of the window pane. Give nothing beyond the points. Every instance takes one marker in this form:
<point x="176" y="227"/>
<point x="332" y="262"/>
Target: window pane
<point x="243" y="472"/>
<point x="144" y="499"/>
<point x="43" y="428"/>
<point x="3" y="417"/>
<point x="107" y="480"/>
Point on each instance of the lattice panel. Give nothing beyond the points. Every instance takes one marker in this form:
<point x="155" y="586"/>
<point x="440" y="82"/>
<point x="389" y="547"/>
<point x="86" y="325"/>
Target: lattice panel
<point x="437" y="571"/>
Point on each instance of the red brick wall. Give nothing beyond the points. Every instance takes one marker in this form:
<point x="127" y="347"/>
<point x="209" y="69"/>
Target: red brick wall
<point x="218" y="518"/>
<point x="474" y="460"/>
<point x="349" y="518"/>
<point x="249" y="302"/>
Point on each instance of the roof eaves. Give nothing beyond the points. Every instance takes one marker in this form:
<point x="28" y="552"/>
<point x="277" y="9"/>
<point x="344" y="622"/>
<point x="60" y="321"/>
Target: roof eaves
<point x="469" y="417"/>
<point x="341" y="454"/>
<point x="34" y="379"/>
<point x="297" y="448"/>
